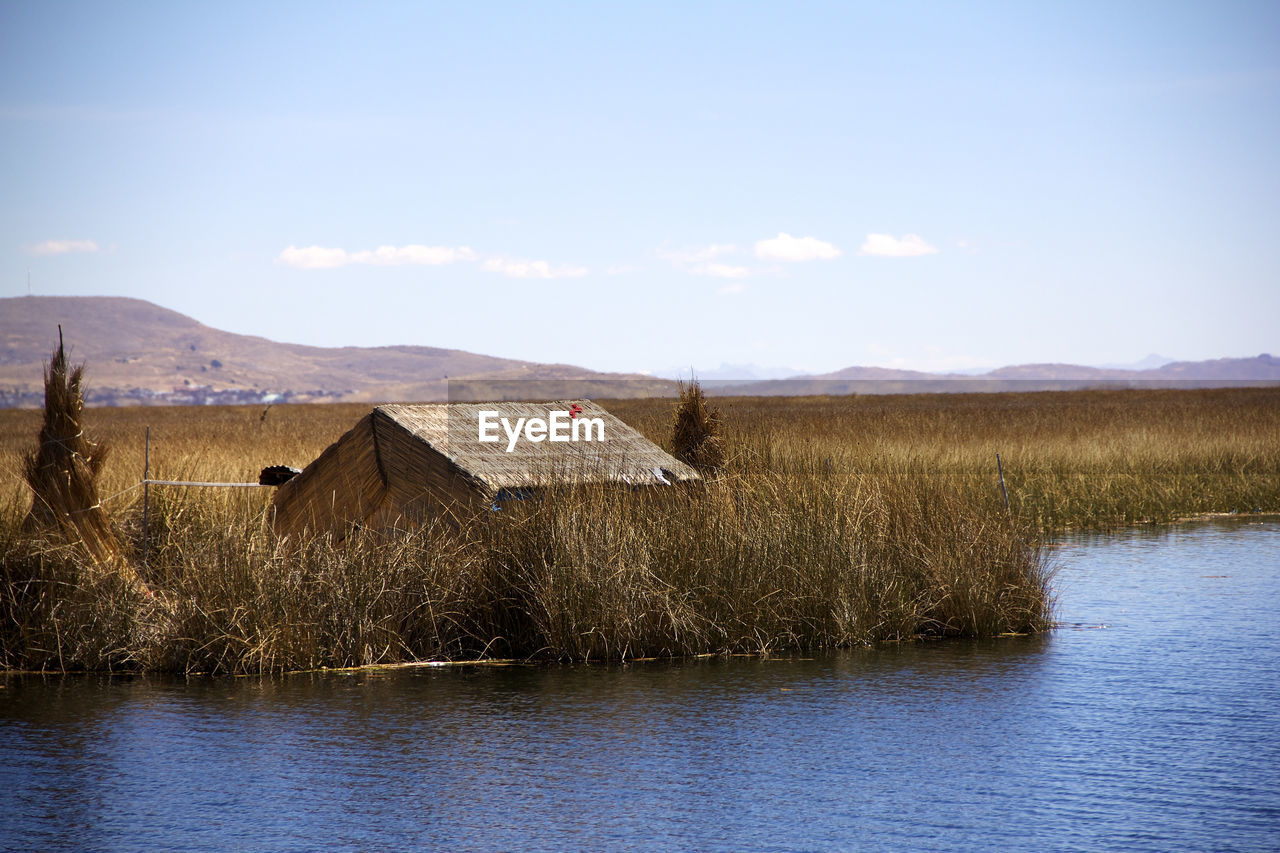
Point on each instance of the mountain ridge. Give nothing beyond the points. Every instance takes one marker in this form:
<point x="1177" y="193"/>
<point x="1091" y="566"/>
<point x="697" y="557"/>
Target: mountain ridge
<point x="138" y="352"/>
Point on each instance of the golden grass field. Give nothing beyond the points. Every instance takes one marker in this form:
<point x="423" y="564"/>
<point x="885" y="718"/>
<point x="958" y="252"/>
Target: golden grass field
<point x="836" y="522"/>
<point x="1075" y="458"/>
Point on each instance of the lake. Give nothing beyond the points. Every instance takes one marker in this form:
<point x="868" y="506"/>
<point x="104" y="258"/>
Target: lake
<point x="1152" y="723"/>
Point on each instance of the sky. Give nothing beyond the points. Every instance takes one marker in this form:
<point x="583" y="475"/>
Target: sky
<point x="632" y="187"/>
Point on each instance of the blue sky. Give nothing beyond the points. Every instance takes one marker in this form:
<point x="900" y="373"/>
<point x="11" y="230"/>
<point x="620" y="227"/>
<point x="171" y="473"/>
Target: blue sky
<point x="637" y="186"/>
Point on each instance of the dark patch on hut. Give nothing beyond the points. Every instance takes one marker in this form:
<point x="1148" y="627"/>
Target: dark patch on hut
<point x="277" y="475"/>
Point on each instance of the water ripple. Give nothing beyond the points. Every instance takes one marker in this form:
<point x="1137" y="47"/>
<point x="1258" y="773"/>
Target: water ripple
<point x="1157" y="732"/>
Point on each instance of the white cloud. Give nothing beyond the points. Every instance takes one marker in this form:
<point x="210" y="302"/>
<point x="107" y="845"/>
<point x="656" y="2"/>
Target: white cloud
<point x="319" y="257"/>
<point x="692" y="255"/>
<point x="532" y="269"/>
<point x="312" y="257"/>
<point x="431" y="256"/>
<point x="720" y="271"/>
<point x="63" y="247"/>
<point x="888" y="246"/>
<point x="701" y="260"/>
<point x="732" y="289"/>
<point x="784" y="247"/>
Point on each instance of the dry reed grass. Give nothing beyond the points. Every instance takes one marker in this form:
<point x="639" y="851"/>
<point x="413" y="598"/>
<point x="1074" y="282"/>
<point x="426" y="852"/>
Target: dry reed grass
<point x="752" y="563"/>
<point x="1071" y="459"/>
<point x="835" y="522"/>
<point x="63" y="469"/>
<point x="62" y="474"/>
<point x="696" y="435"/>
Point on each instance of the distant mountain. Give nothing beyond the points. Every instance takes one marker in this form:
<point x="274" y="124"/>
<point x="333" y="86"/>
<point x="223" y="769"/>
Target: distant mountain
<point x="138" y="352"/>
<point x="1264" y="367"/>
<point x="1151" y="361"/>
<point x="729" y="373"/>
<point x="1259" y="370"/>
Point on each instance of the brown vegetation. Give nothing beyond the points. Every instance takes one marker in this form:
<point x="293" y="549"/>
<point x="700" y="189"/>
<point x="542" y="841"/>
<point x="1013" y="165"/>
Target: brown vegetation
<point x="836" y="521"/>
<point x="62" y="473"/>
<point x="696" y="435"/>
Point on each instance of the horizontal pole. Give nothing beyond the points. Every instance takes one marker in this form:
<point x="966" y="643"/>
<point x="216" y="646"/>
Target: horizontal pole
<point x="215" y="485"/>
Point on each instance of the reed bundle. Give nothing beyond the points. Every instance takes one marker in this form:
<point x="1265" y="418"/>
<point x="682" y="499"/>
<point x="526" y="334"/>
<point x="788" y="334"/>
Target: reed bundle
<point x="696" y="435"/>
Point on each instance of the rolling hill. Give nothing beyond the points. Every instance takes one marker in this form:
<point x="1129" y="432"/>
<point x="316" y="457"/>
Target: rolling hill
<point x="140" y="353"/>
<point x="1260" y="370"/>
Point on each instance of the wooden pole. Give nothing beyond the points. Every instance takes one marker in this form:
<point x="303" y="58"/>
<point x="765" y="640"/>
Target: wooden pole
<point x="1003" y="491"/>
<point x="146" y="496"/>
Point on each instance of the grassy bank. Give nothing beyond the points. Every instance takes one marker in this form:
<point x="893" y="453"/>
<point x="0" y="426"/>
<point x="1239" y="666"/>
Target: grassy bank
<point x="837" y="522"/>
<point x="768" y="563"/>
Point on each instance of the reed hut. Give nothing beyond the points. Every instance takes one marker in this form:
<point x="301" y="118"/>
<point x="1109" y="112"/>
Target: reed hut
<point x="403" y="465"/>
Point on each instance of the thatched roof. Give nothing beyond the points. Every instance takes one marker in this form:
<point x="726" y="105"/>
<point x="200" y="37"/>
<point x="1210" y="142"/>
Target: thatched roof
<point x="413" y="461"/>
<point x="624" y="456"/>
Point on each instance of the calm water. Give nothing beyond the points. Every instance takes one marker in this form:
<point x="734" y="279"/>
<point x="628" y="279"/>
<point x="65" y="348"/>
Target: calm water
<point x="1159" y="731"/>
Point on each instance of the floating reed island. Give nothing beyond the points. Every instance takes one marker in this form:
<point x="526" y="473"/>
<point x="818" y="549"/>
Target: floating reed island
<point x="824" y="522"/>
